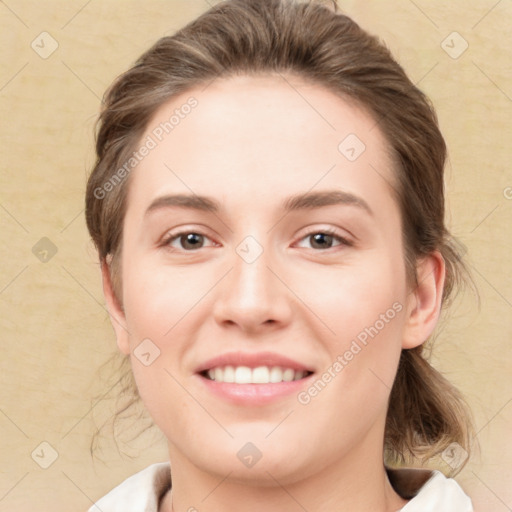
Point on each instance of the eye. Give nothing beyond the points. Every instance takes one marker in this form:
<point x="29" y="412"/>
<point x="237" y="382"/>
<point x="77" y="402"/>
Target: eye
<point x="186" y="240"/>
<point x="325" y="239"/>
<point x="191" y="240"/>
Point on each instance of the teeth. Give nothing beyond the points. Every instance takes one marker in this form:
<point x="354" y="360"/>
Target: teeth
<point x="243" y="375"/>
<point x="288" y="375"/>
<point x="276" y="374"/>
<point x="229" y="374"/>
<point x="259" y="375"/>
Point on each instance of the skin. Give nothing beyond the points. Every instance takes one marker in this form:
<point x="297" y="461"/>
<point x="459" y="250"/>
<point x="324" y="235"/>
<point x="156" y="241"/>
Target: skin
<point x="250" y="143"/>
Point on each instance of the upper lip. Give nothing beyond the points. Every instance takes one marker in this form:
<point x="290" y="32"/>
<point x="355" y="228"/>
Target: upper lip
<point x="252" y="360"/>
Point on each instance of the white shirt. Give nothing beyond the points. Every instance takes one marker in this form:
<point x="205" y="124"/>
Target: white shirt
<point x="142" y="492"/>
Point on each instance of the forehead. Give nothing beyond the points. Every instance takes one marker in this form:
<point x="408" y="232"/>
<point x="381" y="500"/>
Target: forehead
<point x="261" y="134"/>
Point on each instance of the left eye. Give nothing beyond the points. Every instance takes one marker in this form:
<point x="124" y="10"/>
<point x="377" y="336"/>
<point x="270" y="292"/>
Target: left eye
<point x="324" y="240"/>
<point x="187" y="240"/>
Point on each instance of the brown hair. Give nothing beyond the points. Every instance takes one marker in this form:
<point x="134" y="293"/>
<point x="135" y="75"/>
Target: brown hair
<point x="311" y="40"/>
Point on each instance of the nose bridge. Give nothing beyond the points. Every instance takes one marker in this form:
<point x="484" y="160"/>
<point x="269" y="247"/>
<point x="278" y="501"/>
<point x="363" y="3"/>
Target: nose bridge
<point x="251" y="294"/>
<point x="250" y="280"/>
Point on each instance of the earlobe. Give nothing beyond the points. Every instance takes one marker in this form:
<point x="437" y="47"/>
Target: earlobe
<point x="115" y="311"/>
<point x="425" y="301"/>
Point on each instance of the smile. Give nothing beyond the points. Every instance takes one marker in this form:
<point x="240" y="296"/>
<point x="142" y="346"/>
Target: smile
<point x="258" y="375"/>
<point x="253" y="379"/>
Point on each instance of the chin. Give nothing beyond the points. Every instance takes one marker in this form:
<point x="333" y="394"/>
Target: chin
<point x="252" y="460"/>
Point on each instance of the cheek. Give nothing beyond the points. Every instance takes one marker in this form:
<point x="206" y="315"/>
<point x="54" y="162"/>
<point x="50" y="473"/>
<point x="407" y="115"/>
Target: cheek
<point x="364" y="305"/>
<point x="354" y="387"/>
<point x="162" y="306"/>
<point x="155" y="300"/>
<point x="353" y="297"/>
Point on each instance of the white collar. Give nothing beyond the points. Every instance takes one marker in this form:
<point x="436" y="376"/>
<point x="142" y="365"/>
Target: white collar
<point x="430" y="491"/>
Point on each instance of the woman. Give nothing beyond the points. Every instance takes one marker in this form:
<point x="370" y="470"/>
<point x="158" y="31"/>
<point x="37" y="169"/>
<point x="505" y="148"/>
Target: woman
<point x="268" y="208"/>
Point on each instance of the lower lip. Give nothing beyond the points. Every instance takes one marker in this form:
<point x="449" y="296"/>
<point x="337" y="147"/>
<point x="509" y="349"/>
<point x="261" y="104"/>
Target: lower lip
<point x="254" y="394"/>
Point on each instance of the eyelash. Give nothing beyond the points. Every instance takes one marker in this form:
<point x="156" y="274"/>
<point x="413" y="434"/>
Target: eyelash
<point x="166" y="242"/>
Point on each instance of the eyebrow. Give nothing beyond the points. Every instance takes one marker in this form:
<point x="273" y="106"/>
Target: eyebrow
<point x="305" y="201"/>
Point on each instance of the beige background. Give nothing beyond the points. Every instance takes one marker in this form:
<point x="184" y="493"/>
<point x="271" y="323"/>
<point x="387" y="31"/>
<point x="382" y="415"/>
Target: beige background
<point x="54" y="328"/>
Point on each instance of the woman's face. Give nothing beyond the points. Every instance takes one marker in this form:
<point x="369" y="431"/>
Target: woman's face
<point x="293" y="260"/>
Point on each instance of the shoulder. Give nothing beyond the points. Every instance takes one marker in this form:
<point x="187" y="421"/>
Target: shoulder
<point x="429" y="491"/>
<point x="139" y="492"/>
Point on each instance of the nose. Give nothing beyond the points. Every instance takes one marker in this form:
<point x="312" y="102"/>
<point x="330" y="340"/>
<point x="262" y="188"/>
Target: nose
<point x="253" y="297"/>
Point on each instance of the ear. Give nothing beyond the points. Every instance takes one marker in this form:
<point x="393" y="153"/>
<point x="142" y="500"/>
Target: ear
<point x="425" y="301"/>
<point x="115" y="311"/>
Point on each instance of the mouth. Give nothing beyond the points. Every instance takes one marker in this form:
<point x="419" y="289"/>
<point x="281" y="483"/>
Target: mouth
<point x="253" y="379"/>
<point x="257" y="375"/>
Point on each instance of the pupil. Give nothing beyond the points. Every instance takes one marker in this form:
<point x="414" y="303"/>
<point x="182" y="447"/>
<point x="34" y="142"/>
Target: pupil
<point x="191" y="238"/>
<point x="323" y="239"/>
